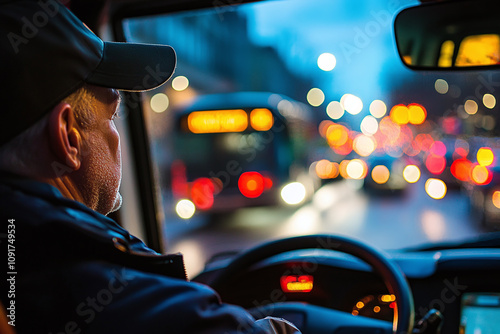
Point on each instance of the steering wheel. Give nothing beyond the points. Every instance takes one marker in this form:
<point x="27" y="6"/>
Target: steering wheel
<point x="315" y="315"/>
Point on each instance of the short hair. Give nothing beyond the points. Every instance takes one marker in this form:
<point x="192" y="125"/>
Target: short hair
<point x="19" y="153"/>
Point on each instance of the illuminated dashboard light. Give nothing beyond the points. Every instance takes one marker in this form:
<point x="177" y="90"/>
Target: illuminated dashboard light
<point x="293" y="193"/>
<point x="387" y="298"/>
<point x="297" y="283"/>
<point x="185" y="209"/>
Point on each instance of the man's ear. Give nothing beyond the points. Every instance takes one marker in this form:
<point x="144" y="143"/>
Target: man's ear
<point x="65" y="137"/>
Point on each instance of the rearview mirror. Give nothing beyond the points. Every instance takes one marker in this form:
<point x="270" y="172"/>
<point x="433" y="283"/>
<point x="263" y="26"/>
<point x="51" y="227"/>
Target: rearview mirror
<point x="449" y="35"/>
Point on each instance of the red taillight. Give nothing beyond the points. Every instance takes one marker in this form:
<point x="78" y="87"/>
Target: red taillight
<point x="202" y="193"/>
<point x="251" y="184"/>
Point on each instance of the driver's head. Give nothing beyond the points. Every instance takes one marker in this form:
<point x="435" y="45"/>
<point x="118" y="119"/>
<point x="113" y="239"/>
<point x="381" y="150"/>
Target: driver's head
<point x="59" y="95"/>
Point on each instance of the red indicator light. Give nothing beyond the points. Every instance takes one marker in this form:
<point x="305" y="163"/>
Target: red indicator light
<point x="251" y="184"/>
<point x="296" y="283"/>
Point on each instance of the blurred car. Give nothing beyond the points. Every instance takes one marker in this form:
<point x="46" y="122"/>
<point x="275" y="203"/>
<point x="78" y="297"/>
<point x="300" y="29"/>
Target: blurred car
<point x="385" y="176"/>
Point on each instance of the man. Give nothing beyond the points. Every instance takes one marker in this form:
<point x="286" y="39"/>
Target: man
<point x="70" y="269"/>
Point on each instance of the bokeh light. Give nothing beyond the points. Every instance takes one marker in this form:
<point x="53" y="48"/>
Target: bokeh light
<point x="334" y="110"/>
<point x="435" y="163"/>
<point x="495" y="198"/>
<point x="441" y="86"/>
<point x="369" y="125"/>
<point x="159" y="102"/>
<point x="380" y="174"/>
<point x="337" y="135"/>
<point x="461" y="169"/>
<point x="481" y="175"/>
<point x="315" y="97"/>
<point x="356" y="169"/>
<point x="293" y="193"/>
<point x="364" y="145"/>
<point x="378" y="108"/>
<point x="485" y="156"/>
<point x="435" y="188"/>
<point x="185" y="209"/>
<point x="261" y="119"/>
<point x="470" y="107"/>
<point x="180" y="83"/>
<point x="416" y="114"/>
<point x="489" y="101"/>
<point x="399" y="114"/>
<point x="327" y="62"/>
<point x="326" y="169"/>
<point x="351" y="103"/>
<point x="411" y="173"/>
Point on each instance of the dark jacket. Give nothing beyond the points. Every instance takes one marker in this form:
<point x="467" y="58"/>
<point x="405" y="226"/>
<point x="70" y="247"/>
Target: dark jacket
<point x="74" y="270"/>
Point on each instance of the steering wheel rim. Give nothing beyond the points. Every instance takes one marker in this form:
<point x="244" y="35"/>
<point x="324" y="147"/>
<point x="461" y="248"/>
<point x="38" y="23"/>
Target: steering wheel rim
<point x="391" y="274"/>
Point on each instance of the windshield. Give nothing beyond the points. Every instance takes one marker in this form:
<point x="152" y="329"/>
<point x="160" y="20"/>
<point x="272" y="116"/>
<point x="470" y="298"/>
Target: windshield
<point x="297" y="117"/>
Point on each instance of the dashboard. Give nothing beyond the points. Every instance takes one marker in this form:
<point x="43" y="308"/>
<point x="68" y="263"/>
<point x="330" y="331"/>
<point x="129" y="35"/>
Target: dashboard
<point x="463" y="284"/>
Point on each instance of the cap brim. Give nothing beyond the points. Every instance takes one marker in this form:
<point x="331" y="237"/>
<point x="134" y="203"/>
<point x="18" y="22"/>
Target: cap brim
<point x="134" y="67"/>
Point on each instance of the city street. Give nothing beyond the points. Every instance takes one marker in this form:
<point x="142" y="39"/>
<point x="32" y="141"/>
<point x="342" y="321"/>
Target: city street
<point x="387" y="222"/>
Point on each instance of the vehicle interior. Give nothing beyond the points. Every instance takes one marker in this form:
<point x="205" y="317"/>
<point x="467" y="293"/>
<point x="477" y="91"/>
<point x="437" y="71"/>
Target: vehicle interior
<point x="347" y="251"/>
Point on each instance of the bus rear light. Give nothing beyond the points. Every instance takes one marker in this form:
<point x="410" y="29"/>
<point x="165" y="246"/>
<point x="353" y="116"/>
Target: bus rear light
<point x="202" y="193"/>
<point x="251" y="184"/>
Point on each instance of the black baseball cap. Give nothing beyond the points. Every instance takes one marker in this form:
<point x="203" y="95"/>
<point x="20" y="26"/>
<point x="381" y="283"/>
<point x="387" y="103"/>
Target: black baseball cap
<point x="47" y="53"/>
